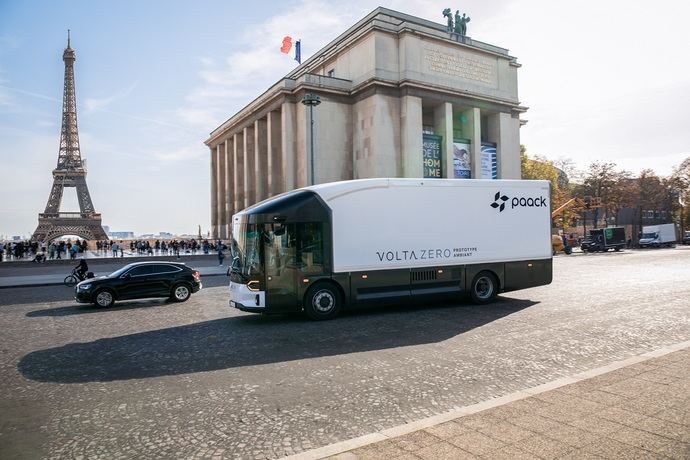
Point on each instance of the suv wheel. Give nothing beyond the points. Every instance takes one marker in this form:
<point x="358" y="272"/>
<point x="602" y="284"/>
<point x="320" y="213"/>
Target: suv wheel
<point x="181" y="292"/>
<point x="104" y="298"/>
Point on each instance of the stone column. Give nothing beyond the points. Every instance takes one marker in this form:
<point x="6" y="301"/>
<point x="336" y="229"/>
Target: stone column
<point x="220" y="151"/>
<point x="276" y="177"/>
<point x="472" y="130"/>
<point x="443" y="126"/>
<point x="249" y="159"/>
<point x="260" y="159"/>
<point x="238" y="171"/>
<point x="288" y="144"/>
<point x="229" y="185"/>
<point x="411" y="136"/>
<point x="493" y="135"/>
<point x="214" y="193"/>
<point x="508" y="150"/>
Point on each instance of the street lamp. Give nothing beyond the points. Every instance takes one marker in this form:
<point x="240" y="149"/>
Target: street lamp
<point x="311" y="100"/>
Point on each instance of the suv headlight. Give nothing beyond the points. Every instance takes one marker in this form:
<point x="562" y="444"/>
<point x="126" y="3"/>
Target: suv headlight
<point x="84" y="287"/>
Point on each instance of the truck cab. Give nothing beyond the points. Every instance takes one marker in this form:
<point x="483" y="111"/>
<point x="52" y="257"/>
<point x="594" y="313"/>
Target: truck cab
<point x="603" y="239"/>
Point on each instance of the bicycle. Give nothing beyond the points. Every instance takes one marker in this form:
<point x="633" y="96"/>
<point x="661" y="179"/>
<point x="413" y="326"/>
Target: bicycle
<point x="74" y="278"/>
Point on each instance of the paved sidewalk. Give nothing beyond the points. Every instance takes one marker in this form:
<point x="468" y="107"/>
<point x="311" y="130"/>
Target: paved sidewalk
<point x="638" y="411"/>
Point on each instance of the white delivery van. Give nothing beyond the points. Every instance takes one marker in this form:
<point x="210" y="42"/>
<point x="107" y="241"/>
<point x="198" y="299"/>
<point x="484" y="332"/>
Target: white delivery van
<point x="656" y="236"/>
<point x="390" y="241"/>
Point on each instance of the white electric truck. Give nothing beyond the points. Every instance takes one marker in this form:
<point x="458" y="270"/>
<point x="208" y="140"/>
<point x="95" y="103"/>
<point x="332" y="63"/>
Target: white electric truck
<point x="656" y="236"/>
<point x="332" y="246"/>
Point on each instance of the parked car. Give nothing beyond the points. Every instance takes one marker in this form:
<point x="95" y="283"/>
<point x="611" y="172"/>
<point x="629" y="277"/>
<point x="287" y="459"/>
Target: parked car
<point x="140" y="280"/>
<point x="686" y="237"/>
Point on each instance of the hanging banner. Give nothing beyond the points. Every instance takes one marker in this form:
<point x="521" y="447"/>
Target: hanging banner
<point x="489" y="163"/>
<point x="431" y="156"/>
<point x="462" y="166"/>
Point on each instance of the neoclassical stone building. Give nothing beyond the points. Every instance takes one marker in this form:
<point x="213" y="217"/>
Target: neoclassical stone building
<point x="400" y="97"/>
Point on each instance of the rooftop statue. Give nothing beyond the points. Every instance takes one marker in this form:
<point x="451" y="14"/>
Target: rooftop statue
<point x="463" y="24"/>
<point x="459" y="25"/>
<point x="449" y="15"/>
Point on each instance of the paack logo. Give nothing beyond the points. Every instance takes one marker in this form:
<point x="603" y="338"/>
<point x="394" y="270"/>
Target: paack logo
<point x="499" y="202"/>
<point x="517" y="202"/>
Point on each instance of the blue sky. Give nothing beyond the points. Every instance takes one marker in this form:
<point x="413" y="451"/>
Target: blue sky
<point x="603" y="80"/>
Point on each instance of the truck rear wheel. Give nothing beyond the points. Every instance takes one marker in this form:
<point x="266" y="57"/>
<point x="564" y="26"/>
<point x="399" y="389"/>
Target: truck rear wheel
<point x="322" y="301"/>
<point x="484" y="288"/>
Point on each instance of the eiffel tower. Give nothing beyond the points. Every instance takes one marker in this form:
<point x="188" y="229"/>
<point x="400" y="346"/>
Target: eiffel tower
<point x="70" y="172"/>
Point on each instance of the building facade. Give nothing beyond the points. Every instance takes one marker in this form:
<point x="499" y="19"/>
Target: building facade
<point x="400" y="97"/>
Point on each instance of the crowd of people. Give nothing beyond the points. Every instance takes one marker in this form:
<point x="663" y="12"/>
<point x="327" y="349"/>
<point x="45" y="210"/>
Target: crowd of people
<point x="66" y="249"/>
<point x="40" y="252"/>
<point x="157" y="247"/>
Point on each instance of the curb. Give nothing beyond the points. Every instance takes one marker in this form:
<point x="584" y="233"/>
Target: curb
<point x="62" y="284"/>
<point x="367" y="439"/>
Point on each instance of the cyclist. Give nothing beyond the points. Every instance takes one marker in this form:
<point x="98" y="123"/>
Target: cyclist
<point x="82" y="269"/>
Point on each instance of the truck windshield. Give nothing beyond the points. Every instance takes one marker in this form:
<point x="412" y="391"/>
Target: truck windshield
<point x="650" y="236"/>
<point x="246" y="249"/>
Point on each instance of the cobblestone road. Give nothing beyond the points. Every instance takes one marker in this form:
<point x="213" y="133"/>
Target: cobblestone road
<point x="197" y="379"/>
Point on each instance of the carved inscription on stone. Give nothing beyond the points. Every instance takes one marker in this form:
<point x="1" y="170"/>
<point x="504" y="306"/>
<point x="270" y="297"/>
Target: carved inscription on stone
<point x="466" y="67"/>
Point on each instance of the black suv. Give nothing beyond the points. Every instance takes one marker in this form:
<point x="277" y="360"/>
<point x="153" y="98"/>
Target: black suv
<point x="140" y="280"/>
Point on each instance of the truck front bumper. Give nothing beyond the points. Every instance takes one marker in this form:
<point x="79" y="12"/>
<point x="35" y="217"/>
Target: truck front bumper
<point x="243" y="298"/>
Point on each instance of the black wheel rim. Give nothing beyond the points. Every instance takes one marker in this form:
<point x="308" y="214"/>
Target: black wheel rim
<point x="484" y="288"/>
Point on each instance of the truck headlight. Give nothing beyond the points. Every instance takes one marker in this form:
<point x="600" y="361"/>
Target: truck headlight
<point x="253" y="286"/>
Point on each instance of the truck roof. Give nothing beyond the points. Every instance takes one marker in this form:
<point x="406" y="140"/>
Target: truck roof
<point x="334" y="189"/>
<point x="331" y="190"/>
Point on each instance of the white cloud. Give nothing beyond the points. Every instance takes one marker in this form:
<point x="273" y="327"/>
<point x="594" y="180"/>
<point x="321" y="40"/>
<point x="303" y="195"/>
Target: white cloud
<point x="93" y="103"/>
<point x="230" y="82"/>
<point x="180" y="154"/>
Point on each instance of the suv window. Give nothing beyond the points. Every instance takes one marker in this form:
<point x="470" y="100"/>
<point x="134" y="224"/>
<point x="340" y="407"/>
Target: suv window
<point x="141" y="270"/>
<point x="157" y="269"/>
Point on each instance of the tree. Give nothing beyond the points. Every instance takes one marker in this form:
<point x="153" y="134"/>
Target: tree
<point x="540" y="168"/>
<point x="680" y="183"/>
<point x="599" y="182"/>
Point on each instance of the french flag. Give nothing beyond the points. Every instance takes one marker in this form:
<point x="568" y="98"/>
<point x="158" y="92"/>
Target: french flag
<point x="287" y="46"/>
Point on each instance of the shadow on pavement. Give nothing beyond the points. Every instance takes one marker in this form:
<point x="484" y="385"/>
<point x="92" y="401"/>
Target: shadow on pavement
<point x="47" y="294"/>
<point x="255" y="339"/>
<point x="24" y="295"/>
<point x="81" y="309"/>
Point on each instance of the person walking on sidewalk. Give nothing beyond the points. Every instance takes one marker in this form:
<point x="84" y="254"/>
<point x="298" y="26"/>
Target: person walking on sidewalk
<point x="221" y="256"/>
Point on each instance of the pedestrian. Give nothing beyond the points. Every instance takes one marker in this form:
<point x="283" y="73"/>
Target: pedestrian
<point x="2" y="248"/>
<point x="221" y="256"/>
<point x="115" y="248"/>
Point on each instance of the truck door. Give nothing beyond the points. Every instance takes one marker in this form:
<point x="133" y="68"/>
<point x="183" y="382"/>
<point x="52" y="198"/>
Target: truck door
<point x="282" y="267"/>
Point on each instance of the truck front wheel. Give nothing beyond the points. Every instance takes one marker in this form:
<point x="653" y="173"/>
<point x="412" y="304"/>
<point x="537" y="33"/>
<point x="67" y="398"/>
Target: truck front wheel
<point x="484" y="288"/>
<point x="322" y="301"/>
